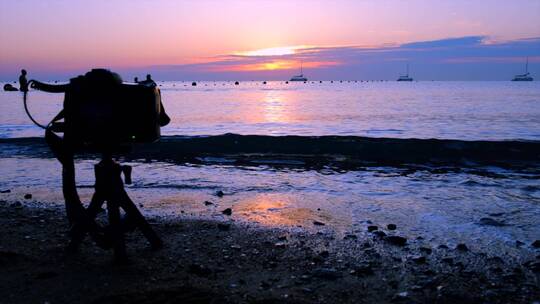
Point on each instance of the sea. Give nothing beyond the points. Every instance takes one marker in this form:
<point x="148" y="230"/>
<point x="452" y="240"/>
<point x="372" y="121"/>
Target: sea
<point x="491" y="208"/>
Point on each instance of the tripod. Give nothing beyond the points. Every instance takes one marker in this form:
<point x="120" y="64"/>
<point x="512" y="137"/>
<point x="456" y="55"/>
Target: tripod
<point x="109" y="188"/>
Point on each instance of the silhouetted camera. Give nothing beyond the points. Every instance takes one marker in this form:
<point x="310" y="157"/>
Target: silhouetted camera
<point x="100" y="110"/>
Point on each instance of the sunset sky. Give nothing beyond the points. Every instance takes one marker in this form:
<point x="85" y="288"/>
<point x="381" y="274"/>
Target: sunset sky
<point x="446" y="40"/>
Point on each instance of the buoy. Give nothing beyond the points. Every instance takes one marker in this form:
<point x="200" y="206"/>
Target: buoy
<point x="320" y="81"/>
<point x="286" y="82"/>
<point x="236" y="83"/>
<point x="194" y="84"/>
<point x="264" y="82"/>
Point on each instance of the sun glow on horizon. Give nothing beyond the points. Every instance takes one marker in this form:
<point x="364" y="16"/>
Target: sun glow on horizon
<point x="275" y="51"/>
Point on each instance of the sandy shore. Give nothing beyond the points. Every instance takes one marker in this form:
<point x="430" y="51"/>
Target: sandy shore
<point x="229" y="262"/>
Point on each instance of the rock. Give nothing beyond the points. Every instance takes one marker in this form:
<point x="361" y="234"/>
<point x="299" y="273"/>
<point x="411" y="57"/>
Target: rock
<point x="391" y="226"/>
<point x="280" y="245"/>
<point x="224" y="226"/>
<point x="324" y="254"/>
<point x="372" y="228"/>
<point x="419" y="259"/>
<point x="442" y="246"/>
<point x="379" y="233"/>
<point x="219" y="193"/>
<point x="208" y="203"/>
<point x="194" y="84"/>
<point x="536" y="244"/>
<point x="5" y="191"/>
<point x="327" y="273"/>
<point x="317" y="223"/>
<point x="426" y="250"/>
<point x="396" y="240"/>
<point x="236" y="83"/>
<point x="227" y="211"/>
<point x="487" y="221"/>
<point x="27" y="196"/>
<point x="462" y="247"/>
<point x="350" y="237"/>
<point x="282" y="238"/>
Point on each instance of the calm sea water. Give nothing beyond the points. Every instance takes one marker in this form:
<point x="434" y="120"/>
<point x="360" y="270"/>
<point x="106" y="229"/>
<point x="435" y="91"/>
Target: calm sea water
<point x="451" y="110"/>
<point x="443" y="208"/>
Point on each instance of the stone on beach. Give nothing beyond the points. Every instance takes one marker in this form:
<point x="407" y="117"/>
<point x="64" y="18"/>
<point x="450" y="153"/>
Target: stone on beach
<point x="391" y="226"/>
<point x="396" y="240"/>
<point x="227" y="211"/>
<point x="462" y="247"/>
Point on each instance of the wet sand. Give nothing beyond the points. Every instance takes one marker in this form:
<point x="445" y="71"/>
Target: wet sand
<point x="231" y="262"/>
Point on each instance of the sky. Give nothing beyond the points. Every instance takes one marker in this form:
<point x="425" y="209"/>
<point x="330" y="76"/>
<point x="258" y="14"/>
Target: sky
<point x="258" y="39"/>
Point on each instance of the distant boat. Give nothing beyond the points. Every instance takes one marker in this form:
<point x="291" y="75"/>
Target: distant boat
<point x="299" y="77"/>
<point x="406" y="76"/>
<point x="526" y="76"/>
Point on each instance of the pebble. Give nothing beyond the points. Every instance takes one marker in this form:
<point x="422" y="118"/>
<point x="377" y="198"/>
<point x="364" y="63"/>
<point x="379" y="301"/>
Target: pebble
<point x="536" y="244"/>
<point x="462" y="247"/>
<point x="219" y="193"/>
<point x="317" y="223"/>
<point x="396" y="240"/>
<point x="426" y="250"/>
<point x="391" y="226"/>
<point x="379" y="233"/>
<point x="27" y="196"/>
<point x="5" y="191"/>
<point x="208" y="203"/>
<point x="419" y="259"/>
<point x="227" y="211"/>
<point x="372" y="228"/>
<point x="487" y="221"/>
<point x="224" y="227"/>
<point x="280" y="245"/>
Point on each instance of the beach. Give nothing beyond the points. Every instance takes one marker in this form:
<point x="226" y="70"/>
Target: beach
<point x="231" y="261"/>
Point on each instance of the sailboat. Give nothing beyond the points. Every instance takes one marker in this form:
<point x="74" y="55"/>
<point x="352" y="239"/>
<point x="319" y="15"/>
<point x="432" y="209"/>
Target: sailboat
<point x="526" y="76"/>
<point x="406" y="76"/>
<point x="299" y="77"/>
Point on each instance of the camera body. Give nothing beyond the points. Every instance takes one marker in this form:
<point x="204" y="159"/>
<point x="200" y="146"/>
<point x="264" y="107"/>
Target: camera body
<point x="101" y="111"/>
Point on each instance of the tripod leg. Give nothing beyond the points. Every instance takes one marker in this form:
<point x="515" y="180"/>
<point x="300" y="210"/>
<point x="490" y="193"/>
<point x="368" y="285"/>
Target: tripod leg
<point x="86" y="224"/>
<point x="135" y="215"/>
<point x="113" y="209"/>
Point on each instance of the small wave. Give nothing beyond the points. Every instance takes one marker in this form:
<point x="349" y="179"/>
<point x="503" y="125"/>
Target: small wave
<point x="320" y="151"/>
